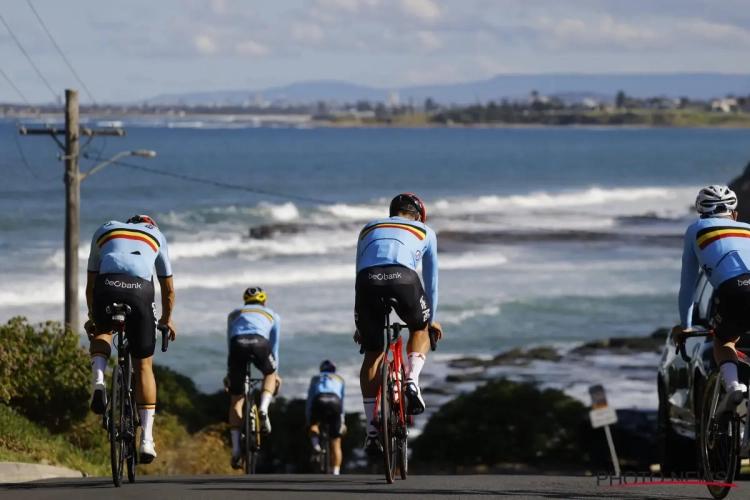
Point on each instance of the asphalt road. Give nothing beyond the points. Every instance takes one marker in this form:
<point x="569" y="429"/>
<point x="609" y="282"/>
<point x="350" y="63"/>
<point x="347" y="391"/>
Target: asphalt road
<point x="312" y="487"/>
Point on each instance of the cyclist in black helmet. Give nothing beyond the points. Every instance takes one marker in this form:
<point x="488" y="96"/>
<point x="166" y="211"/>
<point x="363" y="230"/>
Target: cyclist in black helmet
<point x="325" y="404"/>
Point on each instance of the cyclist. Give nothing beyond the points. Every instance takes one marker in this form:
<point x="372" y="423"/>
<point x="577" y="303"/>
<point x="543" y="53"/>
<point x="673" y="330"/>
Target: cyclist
<point x="325" y="403"/>
<point x="120" y="270"/>
<point x="719" y="245"/>
<point x="388" y="254"/>
<point x="253" y="336"/>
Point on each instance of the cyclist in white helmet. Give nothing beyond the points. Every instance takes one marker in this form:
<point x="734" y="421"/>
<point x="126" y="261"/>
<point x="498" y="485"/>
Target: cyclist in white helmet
<point x="720" y="246"/>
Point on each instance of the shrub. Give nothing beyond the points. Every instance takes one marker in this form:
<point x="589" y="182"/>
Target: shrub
<point x="504" y="422"/>
<point x="44" y="374"/>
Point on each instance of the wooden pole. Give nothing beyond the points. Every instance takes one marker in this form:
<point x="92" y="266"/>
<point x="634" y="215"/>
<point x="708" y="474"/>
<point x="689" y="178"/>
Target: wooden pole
<point x="72" y="208"/>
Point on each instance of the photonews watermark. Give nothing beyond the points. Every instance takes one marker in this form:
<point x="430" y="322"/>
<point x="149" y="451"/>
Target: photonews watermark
<point x="648" y="478"/>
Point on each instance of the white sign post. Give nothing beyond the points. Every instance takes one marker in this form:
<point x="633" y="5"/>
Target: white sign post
<point x="602" y="415"/>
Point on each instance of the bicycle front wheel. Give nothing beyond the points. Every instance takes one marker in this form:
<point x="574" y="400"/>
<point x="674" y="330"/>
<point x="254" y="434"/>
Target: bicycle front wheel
<point x="389" y="462"/>
<point x="116" y="413"/>
<point x="719" y="440"/>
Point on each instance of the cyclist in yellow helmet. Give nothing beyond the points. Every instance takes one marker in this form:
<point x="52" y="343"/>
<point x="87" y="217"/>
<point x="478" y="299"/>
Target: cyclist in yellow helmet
<point x="253" y="336"/>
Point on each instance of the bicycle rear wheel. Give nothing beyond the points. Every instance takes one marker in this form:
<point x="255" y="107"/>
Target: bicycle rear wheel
<point x="719" y="440"/>
<point x="326" y="469"/>
<point x="403" y="445"/>
<point x="252" y="433"/>
<point x="116" y="443"/>
<point x="389" y="461"/>
<point x="131" y="425"/>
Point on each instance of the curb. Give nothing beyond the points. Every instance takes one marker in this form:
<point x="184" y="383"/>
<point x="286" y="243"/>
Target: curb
<point x="17" y="472"/>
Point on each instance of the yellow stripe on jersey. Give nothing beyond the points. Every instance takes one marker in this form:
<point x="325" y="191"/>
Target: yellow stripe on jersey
<point x="705" y="238"/>
<point x="252" y="310"/>
<point x="129" y="234"/>
<point x="416" y="231"/>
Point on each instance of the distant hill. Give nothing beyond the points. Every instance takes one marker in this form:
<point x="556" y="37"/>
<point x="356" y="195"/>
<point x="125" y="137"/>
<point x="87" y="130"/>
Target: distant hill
<point x="574" y="86"/>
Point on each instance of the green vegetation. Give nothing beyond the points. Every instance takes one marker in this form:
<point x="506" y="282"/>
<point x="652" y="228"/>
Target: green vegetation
<point x="44" y="416"/>
<point x="503" y="422"/>
<point x="24" y="441"/>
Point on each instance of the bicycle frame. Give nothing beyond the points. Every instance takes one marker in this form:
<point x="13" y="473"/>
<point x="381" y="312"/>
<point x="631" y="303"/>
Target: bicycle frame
<point x="396" y="363"/>
<point x="742" y="358"/>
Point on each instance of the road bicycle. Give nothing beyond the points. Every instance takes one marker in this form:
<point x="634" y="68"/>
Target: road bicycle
<point x="121" y="418"/>
<point x="250" y="423"/>
<point x="724" y="439"/>
<point x="391" y="419"/>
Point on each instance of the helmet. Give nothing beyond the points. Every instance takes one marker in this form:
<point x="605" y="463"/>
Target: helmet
<point x="141" y="219"/>
<point x="408" y="202"/>
<point x="328" y="366"/>
<point x="253" y="295"/>
<point x="715" y="200"/>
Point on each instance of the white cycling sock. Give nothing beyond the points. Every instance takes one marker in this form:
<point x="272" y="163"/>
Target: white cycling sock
<point x="236" y="442"/>
<point x="336" y="471"/>
<point x="98" y="365"/>
<point x="147" y="422"/>
<point x="370" y="415"/>
<point x="416" y="362"/>
<point x="265" y="400"/>
<point x="729" y="372"/>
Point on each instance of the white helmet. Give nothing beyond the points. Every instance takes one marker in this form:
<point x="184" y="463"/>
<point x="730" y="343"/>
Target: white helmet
<point x="716" y="200"/>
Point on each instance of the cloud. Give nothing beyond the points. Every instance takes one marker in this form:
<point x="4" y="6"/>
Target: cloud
<point x="595" y="34"/>
<point x="307" y="32"/>
<point x="429" y="40"/>
<point x="339" y="5"/>
<point x="719" y="33"/>
<point x="251" y="48"/>
<point x="205" y="45"/>
<point x="424" y="10"/>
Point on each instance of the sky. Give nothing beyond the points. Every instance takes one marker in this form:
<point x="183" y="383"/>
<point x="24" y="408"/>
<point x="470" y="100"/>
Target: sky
<point x="137" y="49"/>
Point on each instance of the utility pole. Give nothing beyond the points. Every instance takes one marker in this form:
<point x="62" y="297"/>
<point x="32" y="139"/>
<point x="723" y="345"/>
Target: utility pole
<point x="73" y="131"/>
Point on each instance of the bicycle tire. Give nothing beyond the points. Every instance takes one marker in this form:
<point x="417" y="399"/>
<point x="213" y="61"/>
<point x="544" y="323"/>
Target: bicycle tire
<point x="711" y="452"/>
<point x="327" y="454"/>
<point x="385" y="421"/>
<point x="403" y="463"/>
<point x="249" y="438"/>
<point x="132" y="450"/>
<point x="115" y="427"/>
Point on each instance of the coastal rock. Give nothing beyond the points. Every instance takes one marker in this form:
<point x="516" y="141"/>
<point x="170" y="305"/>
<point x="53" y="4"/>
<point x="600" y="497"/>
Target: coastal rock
<point x="518" y="356"/>
<point x="270" y="230"/>
<point x="466" y="363"/>
<point x="623" y="345"/>
<point x="741" y="186"/>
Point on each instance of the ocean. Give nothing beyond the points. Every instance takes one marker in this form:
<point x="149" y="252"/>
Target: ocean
<point x="547" y="237"/>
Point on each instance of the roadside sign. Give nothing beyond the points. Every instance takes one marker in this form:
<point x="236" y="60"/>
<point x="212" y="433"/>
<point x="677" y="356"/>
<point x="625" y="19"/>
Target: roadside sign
<point x="602" y="415"/>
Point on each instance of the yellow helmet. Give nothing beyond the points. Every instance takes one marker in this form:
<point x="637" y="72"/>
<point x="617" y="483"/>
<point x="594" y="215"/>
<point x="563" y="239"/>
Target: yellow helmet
<point x="254" y="295"/>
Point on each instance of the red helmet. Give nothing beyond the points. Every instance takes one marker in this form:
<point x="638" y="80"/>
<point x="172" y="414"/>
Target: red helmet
<point x="141" y="219"/>
<point x="409" y="202"/>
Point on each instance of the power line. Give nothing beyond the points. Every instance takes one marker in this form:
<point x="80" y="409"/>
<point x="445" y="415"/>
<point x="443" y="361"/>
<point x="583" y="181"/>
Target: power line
<point x="57" y="98"/>
<point x="26" y="163"/>
<point x="70" y="66"/>
<point x="222" y="184"/>
<point x="18" y="91"/>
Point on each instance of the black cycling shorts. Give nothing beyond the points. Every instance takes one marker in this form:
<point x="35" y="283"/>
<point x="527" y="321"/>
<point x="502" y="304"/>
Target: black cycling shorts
<point x="244" y="349"/>
<point x="732" y="308"/>
<point x="396" y="282"/>
<point x="140" y="325"/>
<point x="326" y="409"/>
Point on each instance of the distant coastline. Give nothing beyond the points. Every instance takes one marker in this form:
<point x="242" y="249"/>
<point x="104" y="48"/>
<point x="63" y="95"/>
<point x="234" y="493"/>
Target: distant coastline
<point x="640" y="120"/>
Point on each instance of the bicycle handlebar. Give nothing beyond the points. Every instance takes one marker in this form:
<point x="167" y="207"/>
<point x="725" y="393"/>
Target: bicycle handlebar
<point x="165" y="331"/>
<point x="680" y="348"/>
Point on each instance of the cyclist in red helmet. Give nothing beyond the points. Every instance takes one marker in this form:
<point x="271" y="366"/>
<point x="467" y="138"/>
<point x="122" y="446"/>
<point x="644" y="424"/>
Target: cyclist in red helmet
<point x="121" y="266"/>
<point x="388" y="254"/>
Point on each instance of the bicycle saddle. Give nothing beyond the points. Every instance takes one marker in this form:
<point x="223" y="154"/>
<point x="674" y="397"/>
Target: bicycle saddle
<point x="118" y="309"/>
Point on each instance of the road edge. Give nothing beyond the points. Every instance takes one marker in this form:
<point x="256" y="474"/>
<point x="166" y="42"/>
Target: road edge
<point x="19" y="472"/>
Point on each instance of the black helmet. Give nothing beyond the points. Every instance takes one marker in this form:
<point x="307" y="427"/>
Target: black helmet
<point x="328" y="366"/>
<point x="408" y="202"/>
